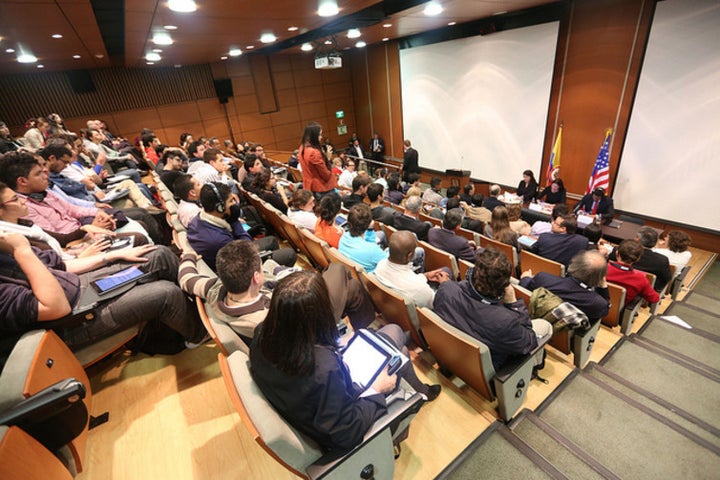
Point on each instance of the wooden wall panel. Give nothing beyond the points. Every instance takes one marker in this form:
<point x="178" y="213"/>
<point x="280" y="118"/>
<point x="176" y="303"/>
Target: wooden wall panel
<point x="286" y="97"/>
<point x="178" y="114"/>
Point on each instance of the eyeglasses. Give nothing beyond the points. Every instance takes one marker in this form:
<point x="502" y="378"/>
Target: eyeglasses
<point x="14" y="198"/>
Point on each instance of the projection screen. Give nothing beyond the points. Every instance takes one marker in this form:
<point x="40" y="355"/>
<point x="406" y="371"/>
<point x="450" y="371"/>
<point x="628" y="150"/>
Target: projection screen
<point x="670" y="165"/>
<point x="480" y="103"/>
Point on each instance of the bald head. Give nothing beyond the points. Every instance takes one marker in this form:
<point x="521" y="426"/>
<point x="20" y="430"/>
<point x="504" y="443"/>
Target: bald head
<point x="590" y="267"/>
<point x="402" y="246"/>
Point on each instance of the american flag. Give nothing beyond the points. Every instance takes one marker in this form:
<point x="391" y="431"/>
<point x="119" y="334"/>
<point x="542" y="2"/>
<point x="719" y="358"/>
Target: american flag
<point x="600" y="177"/>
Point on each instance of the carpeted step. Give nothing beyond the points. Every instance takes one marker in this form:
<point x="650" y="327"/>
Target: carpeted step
<point x="696" y="318"/>
<point x="686" y="342"/>
<point x="493" y="455"/>
<point x="681" y="395"/>
<point x="535" y="433"/>
<point x="710" y="283"/>
<point x="624" y="437"/>
<point x="709" y="304"/>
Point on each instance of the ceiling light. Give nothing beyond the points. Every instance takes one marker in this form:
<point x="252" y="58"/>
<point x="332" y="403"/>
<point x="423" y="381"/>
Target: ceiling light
<point x="157" y="50"/>
<point x="153" y="57"/>
<point x="182" y="6"/>
<point x="162" y="38"/>
<point x="433" y="8"/>
<point x="41" y="66"/>
<point x="385" y="39"/>
<point x="360" y="44"/>
<point x="353" y="33"/>
<point x="328" y="8"/>
<point x="76" y="57"/>
<point x="170" y="27"/>
<point x="387" y="25"/>
<point x="328" y="42"/>
<point x="26" y="58"/>
<point x="249" y="47"/>
<point x="56" y="35"/>
<point x="268" y="37"/>
<point x="293" y="29"/>
<point x="99" y="55"/>
<point x="306" y="47"/>
<point x="10" y="50"/>
<point x="224" y="57"/>
<point x="235" y="52"/>
<point x="450" y="24"/>
<point x="150" y="63"/>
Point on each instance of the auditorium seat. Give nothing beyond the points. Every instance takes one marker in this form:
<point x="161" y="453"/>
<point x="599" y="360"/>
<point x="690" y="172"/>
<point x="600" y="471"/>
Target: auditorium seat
<point x="536" y="263"/>
<point x="23" y="457"/>
<point x="315" y="249"/>
<point x="508" y="250"/>
<point x="436" y="258"/>
<point x="222" y="334"/>
<point x="469" y="359"/>
<point x="334" y="255"/>
<point x="300" y="455"/>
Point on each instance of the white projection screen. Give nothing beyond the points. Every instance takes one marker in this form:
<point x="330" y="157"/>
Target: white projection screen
<point x="480" y="103"/>
<point x="670" y="167"/>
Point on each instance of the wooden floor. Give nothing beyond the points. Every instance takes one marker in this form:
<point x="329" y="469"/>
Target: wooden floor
<point x="170" y="416"/>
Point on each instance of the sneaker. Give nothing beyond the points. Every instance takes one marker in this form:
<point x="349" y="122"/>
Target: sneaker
<point x="433" y="392"/>
<point x="190" y="345"/>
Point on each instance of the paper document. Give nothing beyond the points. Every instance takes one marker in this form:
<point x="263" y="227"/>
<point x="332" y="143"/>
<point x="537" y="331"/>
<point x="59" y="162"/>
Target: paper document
<point x="677" y="321"/>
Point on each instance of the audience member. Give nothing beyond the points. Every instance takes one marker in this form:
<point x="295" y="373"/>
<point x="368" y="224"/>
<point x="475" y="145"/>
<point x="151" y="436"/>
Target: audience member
<point x="393" y="193"/>
<point x="593" y="232"/>
<point x="540" y="227"/>
<point x="172" y="161"/>
<point x="675" y="248"/>
<point x="264" y="186"/>
<point x="410" y="219"/>
<point x="453" y="191"/>
<point x="499" y="228"/>
<point x="36" y="134"/>
<point x="446" y="238"/>
<point x="219" y="224"/>
<point x="518" y="225"/>
<point x="380" y="212"/>
<point x="326" y="228"/>
<point x="621" y="272"/>
<point x="485" y="307"/>
<point x="377" y="147"/>
<point x="585" y="285"/>
<point x="359" y="190"/>
<point x="650" y="261"/>
<point x="562" y="243"/>
<point x="432" y="194"/>
<point x="476" y="211"/>
<point x="380" y="177"/>
<point x="492" y="201"/>
<point x="211" y="169"/>
<point x="348" y="174"/>
<point x="359" y="242"/>
<point x="302" y="209"/>
<point x="467" y="193"/>
<point x="251" y="167"/>
<point x="187" y="189"/>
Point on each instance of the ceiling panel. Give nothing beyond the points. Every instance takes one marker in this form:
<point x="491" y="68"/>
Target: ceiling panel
<point x="207" y="34"/>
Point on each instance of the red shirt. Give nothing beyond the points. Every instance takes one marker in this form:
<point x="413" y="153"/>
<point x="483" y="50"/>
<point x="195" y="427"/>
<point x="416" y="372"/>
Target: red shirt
<point x="634" y="281"/>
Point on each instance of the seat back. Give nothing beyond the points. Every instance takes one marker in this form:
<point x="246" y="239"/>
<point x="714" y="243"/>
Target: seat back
<point x="293" y="235"/>
<point x="436" y="258"/>
<point x="389" y="230"/>
<point x="21" y="456"/>
<point x="395" y="308"/>
<point x="224" y="336"/>
<point x="38" y="360"/>
<point x="315" y="248"/>
<point x="677" y="282"/>
<point x="617" y="305"/>
<point x="289" y="447"/>
<point x="508" y="250"/>
<point x="536" y="263"/>
<point x="427" y="218"/>
<point x="334" y="255"/>
<point x="463" y="267"/>
<point x="469" y="235"/>
<point x="463" y="355"/>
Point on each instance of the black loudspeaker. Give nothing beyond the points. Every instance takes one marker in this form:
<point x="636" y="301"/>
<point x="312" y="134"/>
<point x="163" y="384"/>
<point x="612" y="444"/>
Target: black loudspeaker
<point x="223" y="89"/>
<point x="80" y="81"/>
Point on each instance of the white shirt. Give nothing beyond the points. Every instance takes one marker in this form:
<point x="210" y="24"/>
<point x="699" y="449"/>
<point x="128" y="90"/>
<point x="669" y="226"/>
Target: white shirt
<point x="540" y="227"/>
<point x="206" y="173"/>
<point x="187" y="211"/>
<point x="303" y="218"/>
<point x="403" y="280"/>
<point x="346" y="177"/>
<point x="679" y="259"/>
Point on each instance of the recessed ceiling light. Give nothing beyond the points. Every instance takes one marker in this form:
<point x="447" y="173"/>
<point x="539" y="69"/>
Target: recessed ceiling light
<point x="26" y="58"/>
<point x="56" y="35"/>
<point x="328" y="8"/>
<point x="177" y="65"/>
<point x="432" y="8"/>
<point x="235" y="52"/>
<point x="293" y="29"/>
<point x="170" y="27"/>
<point x="306" y="47"/>
<point x="150" y="63"/>
<point x="152" y="57"/>
<point x="99" y="55"/>
<point x="76" y="57"/>
<point x="41" y="66"/>
<point x="353" y="33"/>
<point x="328" y="42"/>
<point x="161" y="38"/>
<point x="249" y="47"/>
<point x="387" y="25"/>
<point x="10" y="50"/>
<point x="268" y="37"/>
<point x="157" y="50"/>
<point x="385" y="39"/>
<point x="182" y="6"/>
<point x="224" y="57"/>
<point x="450" y="24"/>
<point x="360" y="44"/>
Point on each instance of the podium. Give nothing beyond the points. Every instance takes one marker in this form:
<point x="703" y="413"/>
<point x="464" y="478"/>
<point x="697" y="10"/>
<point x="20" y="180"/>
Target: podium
<point x="457" y="177"/>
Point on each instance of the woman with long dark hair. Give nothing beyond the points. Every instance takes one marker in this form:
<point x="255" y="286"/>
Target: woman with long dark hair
<point x="296" y="363"/>
<point x="316" y="169"/>
<point x="528" y="186"/>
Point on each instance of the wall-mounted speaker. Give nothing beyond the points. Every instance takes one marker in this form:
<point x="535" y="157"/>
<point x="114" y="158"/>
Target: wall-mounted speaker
<point x="80" y="81"/>
<point x="223" y="89"/>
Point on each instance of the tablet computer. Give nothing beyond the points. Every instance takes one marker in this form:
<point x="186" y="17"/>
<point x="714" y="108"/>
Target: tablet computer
<point x="119" y="279"/>
<point x="367" y="354"/>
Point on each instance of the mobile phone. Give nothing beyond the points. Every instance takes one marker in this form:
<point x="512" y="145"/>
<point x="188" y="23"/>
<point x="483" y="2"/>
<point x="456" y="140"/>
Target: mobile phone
<point x="394" y="365"/>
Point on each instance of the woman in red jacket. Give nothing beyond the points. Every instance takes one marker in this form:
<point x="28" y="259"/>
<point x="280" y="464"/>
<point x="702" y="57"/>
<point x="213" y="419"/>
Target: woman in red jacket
<point x="316" y="170"/>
